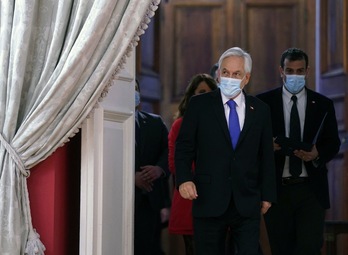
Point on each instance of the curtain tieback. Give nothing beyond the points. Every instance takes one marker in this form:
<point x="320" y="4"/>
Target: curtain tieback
<point x="14" y="155"/>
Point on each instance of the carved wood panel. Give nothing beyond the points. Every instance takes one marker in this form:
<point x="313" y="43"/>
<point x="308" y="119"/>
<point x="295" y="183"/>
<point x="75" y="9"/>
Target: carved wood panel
<point x="334" y="38"/>
<point x="267" y="29"/>
<point x="194" y="33"/>
<point x="198" y="32"/>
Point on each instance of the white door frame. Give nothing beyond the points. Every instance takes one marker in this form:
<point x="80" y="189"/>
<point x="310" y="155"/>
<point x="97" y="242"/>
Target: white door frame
<point x="107" y="171"/>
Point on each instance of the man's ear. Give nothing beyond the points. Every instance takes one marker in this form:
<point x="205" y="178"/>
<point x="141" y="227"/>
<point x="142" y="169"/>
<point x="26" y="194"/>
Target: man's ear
<point x="281" y="72"/>
<point x="217" y="76"/>
<point x="247" y="78"/>
<point x="307" y="71"/>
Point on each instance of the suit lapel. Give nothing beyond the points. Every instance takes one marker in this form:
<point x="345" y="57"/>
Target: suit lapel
<point x="249" y="117"/>
<point x="143" y="130"/>
<point x="278" y="113"/>
<point x="313" y="118"/>
<point x="220" y="113"/>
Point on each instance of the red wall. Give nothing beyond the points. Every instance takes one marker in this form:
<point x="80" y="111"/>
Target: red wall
<point x="54" y="193"/>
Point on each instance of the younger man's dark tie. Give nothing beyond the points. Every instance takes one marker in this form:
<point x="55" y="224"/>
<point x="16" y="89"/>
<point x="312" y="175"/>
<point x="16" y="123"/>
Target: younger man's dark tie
<point x="295" y="163"/>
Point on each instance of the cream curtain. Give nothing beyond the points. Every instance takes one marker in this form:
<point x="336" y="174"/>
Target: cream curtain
<point x="57" y="59"/>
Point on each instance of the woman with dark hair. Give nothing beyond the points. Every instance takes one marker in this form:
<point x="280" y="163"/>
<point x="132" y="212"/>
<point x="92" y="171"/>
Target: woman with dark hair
<point x="180" y="221"/>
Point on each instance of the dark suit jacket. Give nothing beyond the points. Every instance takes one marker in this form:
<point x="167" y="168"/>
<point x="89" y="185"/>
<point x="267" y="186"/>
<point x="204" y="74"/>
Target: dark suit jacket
<point x="328" y="142"/>
<point x="153" y="150"/>
<point x="246" y="173"/>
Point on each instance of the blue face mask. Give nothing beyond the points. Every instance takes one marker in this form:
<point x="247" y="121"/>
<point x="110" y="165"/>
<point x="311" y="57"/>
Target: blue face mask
<point x="137" y="98"/>
<point x="294" y="83"/>
<point x="230" y="87"/>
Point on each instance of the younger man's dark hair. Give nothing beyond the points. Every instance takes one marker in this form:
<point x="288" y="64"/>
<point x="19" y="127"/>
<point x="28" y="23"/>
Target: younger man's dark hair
<point x="293" y="54"/>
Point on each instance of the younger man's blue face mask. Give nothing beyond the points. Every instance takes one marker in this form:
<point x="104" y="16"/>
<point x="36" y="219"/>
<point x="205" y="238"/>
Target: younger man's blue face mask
<point x="294" y="83"/>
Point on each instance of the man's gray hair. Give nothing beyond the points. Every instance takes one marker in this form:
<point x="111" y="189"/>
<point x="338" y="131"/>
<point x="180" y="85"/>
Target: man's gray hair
<point x="236" y="51"/>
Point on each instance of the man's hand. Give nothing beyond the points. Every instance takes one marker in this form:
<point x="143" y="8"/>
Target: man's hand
<point x="276" y="147"/>
<point x="141" y="183"/>
<point x="188" y="190"/>
<point x="165" y="213"/>
<point x="265" y="206"/>
<point x="151" y="173"/>
<point x="307" y="155"/>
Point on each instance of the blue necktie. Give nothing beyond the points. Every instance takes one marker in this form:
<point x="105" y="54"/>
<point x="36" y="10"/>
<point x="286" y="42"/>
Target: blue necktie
<point x="233" y="123"/>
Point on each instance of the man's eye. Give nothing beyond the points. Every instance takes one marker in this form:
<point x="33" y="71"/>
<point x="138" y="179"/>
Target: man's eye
<point x="236" y="75"/>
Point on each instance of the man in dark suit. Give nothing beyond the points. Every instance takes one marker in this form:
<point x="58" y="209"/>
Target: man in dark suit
<point x="235" y="175"/>
<point x="152" y="199"/>
<point x="295" y="224"/>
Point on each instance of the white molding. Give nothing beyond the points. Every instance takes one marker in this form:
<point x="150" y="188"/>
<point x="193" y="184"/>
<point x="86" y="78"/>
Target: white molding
<point x="128" y="187"/>
<point x="117" y="116"/>
<point x="91" y="184"/>
<point x="94" y="219"/>
<point x="107" y="171"/>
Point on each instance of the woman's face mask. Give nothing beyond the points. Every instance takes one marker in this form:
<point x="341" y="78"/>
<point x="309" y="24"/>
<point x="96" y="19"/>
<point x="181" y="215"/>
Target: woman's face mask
<point x="230" y="87"/>
<point x="294" y="83"/>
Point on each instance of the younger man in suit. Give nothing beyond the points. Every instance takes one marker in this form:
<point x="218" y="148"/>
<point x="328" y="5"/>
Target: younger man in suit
<point x="295" y="223"/>
<point x="234" y="177"/>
